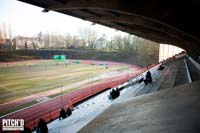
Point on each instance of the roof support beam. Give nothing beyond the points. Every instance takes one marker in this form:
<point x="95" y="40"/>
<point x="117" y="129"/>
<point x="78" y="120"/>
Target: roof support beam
<point x="136" y="20"/>
<point x="119" y="6"/>
<point x="90" y="12"/>
<point x="62" y="1"/>
<point x="167" y="20"/>
<point x="84" y="4"/>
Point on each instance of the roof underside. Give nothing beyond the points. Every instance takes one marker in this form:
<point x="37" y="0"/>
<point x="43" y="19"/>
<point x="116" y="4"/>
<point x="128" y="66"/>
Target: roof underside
<point x="168" y="21"/>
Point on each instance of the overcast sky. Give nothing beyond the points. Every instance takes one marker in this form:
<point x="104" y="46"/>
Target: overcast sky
<point x="29" y="20"/>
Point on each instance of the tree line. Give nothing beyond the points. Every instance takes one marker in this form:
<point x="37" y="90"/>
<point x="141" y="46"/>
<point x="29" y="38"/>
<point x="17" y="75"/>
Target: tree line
<point x="88" y="39"/>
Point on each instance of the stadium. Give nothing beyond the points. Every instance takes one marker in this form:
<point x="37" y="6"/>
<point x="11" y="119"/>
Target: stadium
<point x="63" y="70"/>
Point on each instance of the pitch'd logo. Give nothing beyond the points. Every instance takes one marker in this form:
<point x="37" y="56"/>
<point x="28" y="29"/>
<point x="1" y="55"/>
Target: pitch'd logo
<point x="12" y="124"/>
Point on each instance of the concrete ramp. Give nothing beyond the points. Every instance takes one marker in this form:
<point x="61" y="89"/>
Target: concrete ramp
<point x="174" y="110"/>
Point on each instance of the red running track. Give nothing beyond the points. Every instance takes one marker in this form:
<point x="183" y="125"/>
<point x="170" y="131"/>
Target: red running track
<point x="49" y="110"/>
<point x="21" y="101"/>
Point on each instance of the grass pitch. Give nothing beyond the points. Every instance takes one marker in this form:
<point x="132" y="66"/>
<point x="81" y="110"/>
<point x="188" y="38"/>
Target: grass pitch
<point x="22" y="79"/>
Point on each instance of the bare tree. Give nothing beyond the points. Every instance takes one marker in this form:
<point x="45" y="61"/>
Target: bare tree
<point x="10" y="32"/>
<point x="89" y="35"/>
<point x="101" y="42"/>
<point x="4" y="31"/>
<point x="1" y="36"/>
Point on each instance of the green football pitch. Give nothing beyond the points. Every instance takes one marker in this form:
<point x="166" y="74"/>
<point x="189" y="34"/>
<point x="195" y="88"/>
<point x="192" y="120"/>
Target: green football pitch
<point x="21" y="79"/>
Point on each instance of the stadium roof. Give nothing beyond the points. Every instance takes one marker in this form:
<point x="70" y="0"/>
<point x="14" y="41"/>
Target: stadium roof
<point x="172" y="22"/>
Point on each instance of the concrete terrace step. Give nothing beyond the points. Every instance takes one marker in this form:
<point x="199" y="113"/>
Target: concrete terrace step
<point x="174" y="74"/>
<point x="181" y="74"/>
<point x="194" y="71"/>
<point x="173" y="104"/>
<point x="169" y="75"/>
<point x="173" y="110"/>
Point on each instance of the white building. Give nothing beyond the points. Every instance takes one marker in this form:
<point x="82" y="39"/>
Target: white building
<point x="27" y="43"/>
<point x="167" y="51"/>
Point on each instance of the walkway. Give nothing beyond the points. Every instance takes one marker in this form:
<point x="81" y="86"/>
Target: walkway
<point x="173" y="75"/>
